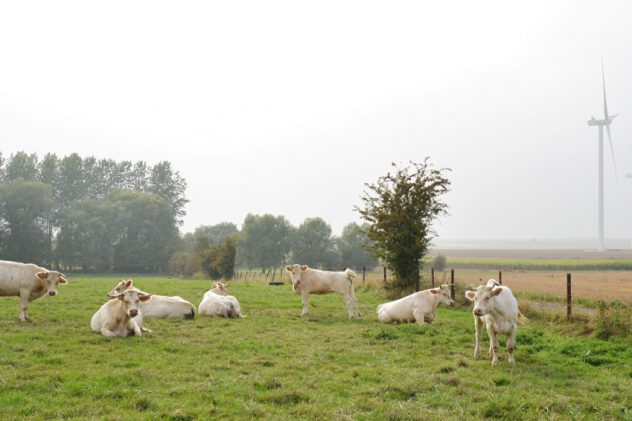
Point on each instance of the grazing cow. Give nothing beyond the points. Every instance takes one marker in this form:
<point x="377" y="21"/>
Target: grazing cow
<point x="420" y="306"/>
<point x="495" y="305"/>
<point x="217" y="302"/>
<point x="307" y="281"/>
<point x="115" y="317"/>
<point x="29" y="282"/>
<point x="160" y="306"/>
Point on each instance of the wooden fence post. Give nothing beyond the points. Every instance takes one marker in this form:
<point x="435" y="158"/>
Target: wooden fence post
<point x="452" y="289"/>
<point x="500" y="277"/>
<point x="432" y="276"/>
<point x="569" y="297"/>
<point x="363" y="276"/>
<point x="384" y="274"/>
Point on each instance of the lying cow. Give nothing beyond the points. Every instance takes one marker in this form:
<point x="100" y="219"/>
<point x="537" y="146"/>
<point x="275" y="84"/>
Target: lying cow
<point x="419" y="307"/>
<point x="29" y="282"/>
<point x="217" y="302"/>
<point x="307" y="281"/>
<point x="160" y="306"/>
<point x="495" y="305"/>
<point x="115" y="317"/>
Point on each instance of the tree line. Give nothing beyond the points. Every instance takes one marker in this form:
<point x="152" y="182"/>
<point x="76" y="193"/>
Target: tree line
<point x="89" y="214"/>
<point x="269" y="241"/>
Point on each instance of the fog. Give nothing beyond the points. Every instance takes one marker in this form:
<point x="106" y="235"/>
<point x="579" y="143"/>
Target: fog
<point x="289" y="108"/>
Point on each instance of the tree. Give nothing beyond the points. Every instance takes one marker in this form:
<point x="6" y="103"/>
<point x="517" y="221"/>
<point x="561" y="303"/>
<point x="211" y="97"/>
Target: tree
<point x="354" y="247"/>
<point x="264" y="241"/>
<point x="21" y="165"/>
<point x="24" y="206"/>
<point x="216" y="233"/>
<point x="400" y="209"/>
<point x="313" y="244"/>
<point x="217" y="260"/>
<point x="168" y="184"/>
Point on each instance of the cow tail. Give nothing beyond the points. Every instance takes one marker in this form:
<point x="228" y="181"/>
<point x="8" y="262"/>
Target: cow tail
<point x="190" y="315"/>
<point x="522" y="319"/>
<point x="232" y="313"/>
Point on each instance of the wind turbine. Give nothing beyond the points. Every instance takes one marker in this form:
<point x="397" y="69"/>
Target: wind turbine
<point x="601" y="123"/>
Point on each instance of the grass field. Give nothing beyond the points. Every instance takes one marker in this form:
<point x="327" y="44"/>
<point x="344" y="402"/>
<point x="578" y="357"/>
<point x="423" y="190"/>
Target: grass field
<point x="276" y="365"/>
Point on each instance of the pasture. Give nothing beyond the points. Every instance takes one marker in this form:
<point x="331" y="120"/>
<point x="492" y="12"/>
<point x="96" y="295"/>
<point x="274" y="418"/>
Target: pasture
<point x="276" y="365"/>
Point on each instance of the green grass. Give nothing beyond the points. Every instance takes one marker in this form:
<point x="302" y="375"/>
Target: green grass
<point x="276" y="365"/>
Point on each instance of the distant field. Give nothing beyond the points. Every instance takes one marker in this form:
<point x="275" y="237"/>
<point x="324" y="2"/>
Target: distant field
<point x="276" y="365"/>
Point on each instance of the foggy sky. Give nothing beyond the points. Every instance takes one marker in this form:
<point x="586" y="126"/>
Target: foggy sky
<point x="290" y="107"/>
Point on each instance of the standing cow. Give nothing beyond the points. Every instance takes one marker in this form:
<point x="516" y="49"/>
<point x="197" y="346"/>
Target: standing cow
<point x="495" y="305"/>
<point x="307" y="281"/>
<point x="29" y="282"/>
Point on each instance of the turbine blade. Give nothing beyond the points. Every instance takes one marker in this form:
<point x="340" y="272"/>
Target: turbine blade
<point x="605" y="103"/>
<point x="614" y="164"/>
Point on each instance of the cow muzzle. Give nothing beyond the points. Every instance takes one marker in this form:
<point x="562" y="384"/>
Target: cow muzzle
<point x="478" y="312"/>
<point x="52" y="293"/>
<point x="133" y="312"/>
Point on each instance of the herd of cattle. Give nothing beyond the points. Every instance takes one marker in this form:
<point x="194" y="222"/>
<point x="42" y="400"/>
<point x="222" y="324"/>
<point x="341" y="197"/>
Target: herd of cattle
<point x="127" y="306"/>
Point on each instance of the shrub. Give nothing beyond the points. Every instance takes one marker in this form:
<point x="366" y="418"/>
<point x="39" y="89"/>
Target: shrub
<point x="440" y="263"/>
<point x="613" y="319"/>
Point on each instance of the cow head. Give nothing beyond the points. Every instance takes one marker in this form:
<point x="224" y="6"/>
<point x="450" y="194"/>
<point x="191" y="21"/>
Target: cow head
<point x="295" y="274"/>
<point x="483" y="299"/>
<point x="131" y="299"/>
<point x="52" y="279"/>
<point x="219" y="288"/>
<point x="120" y="287"/>
<point x="443" y="294"/>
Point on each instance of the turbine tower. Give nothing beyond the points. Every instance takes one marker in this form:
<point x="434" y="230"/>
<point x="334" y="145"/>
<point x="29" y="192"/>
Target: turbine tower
<point x="601" y="123"/>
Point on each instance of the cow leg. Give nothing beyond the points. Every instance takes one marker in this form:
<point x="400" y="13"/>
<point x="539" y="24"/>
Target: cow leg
<point x="347" y="299"/>
<point x="511" y="340"/>
<point x="305" y="299"/>
<point x="107" y="332"/>
<point x="354" y="302"/>
<point x="419" y="316"/>
<point x="478" y="324"/>
<point x="24" y="303"/>
<point x="136" y="329"/>
<point x="494" y="342"/>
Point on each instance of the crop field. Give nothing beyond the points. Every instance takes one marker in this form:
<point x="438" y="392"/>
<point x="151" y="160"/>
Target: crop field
<point x="273" y="364"/>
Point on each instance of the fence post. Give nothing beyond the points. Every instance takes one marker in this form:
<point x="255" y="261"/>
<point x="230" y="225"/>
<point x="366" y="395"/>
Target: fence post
<point x="384" y="274"/>
<point x="500" y="277"/>
<point x="432" y="276"/>
<point x="363" y="276"/>
<point x="452" y="290"/>
<point x="569" y="297"/>
<point x="417" y="282"/>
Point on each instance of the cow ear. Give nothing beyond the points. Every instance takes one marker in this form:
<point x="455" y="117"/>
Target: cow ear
<point x="288" y="268"/>
<point x="304" y="268"/>
<point x="497" y="291"/>
<point x="63" y="280"/>
<point x="112" y="295"/>
<point x="42" y="275"/>
<point x="129" y="283"/>
<point x="144" y="297"/>
<point x="434" y="291"/>
<point x="470" y="295"/>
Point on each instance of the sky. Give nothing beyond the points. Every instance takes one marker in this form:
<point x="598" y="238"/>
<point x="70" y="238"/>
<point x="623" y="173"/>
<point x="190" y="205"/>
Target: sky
<point x="291" y="107"/>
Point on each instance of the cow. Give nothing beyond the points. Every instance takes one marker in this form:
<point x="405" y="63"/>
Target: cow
<point x="29" y="282"/>
<point x="217" y="302"/>
<point x="496" y="306"/>
<point x="306" y="280"/>
<point x="160" y="306"/>
<point x="420" y="307"/>
<point x="116" y="316"/>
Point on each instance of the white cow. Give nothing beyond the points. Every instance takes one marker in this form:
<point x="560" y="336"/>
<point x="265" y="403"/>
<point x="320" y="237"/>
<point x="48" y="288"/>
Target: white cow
<point x="217" y="302"/>
<point x="420" y="306"/>
<point x="307" y="281"/>
<point x="160" y="306"/>
<point x="495" y="305"/>
<point x="29" y="282"/>
<point x="115" y="317"/>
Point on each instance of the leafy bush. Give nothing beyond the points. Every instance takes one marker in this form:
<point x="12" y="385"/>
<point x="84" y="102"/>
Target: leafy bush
<point x="440" y="263"/>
